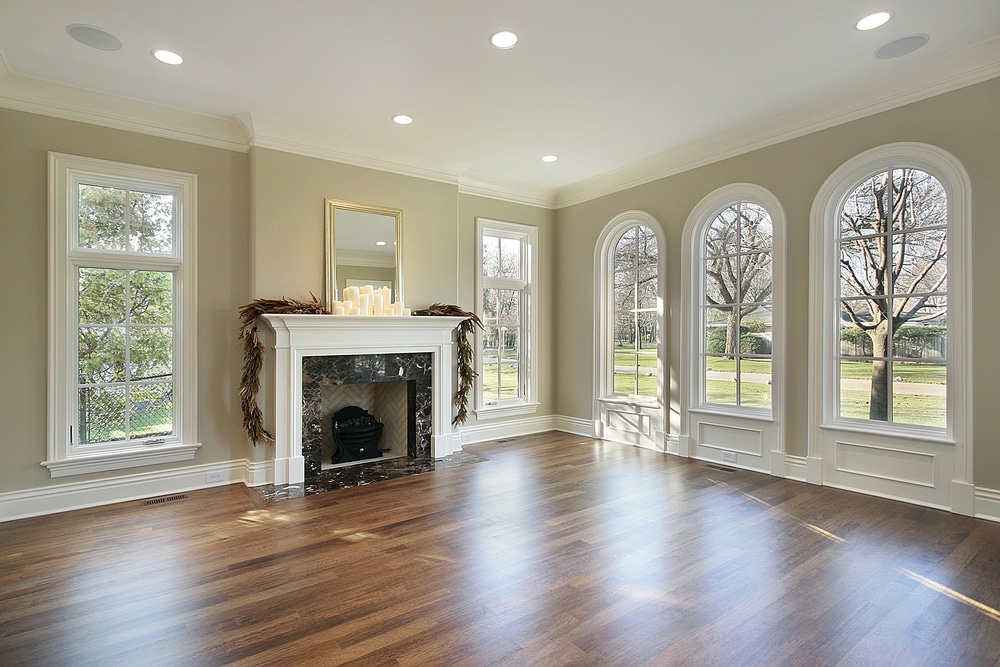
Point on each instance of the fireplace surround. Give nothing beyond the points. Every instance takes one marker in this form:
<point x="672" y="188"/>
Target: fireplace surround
<point x="416" y="349"/>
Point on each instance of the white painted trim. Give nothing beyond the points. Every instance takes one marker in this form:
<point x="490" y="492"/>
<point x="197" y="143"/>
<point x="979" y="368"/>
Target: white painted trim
<point x="45" y="98"/>
<point x="795" y="468"/>
<point x="692" y="338"/>
<point x="132" y="458"/>
<point x="527" y="237"/>
<point x="603" y="377"/>
<point x="987" y="504"/>
<point x="78" y="495"/>
<point x="66" y="172"/>
<point x="953" y="444"/>
<point x="507" y="429"/>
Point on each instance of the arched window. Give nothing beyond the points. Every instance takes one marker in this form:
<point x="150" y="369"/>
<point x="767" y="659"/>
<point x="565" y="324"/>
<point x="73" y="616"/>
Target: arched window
<point x="891" y="358"/>
<point x="629" y="358"/>
<point x="732" y="329"/>
<point x="635" y="313"/>
<point x="736" y="306"/>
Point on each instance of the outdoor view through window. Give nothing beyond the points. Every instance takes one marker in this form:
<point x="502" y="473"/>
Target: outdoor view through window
<point x="893" y="299"/>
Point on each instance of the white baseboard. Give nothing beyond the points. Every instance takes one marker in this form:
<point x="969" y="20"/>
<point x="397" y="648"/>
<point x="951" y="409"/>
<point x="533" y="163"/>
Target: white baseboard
<point x="511" y="428"/>
<point x="78" y="495"/>
<point x="795" y="467"/>
<point x="988" y="504"/>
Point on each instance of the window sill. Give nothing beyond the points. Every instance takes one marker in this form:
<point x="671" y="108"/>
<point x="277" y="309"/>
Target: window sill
<point x="502" y="411"/>
<point x="633" y="402"/>
<point x="133" y="458"/>
<point x="891" y="432"/>
<point x="746" y="413"/>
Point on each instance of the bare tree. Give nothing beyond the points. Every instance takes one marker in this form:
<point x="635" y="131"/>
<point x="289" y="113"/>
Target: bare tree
<point x="738" y="266"/>
<point x="893" y="264"/>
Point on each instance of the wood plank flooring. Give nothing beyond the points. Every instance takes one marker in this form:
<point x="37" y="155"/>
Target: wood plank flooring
<point x="559" y="550"/>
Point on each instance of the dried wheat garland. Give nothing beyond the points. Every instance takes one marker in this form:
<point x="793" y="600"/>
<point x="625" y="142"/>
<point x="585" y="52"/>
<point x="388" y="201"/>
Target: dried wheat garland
<point x="253" y="355"/>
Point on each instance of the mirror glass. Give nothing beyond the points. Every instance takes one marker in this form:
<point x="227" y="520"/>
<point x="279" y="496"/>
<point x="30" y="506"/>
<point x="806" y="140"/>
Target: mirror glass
<point x="363" y="247"/>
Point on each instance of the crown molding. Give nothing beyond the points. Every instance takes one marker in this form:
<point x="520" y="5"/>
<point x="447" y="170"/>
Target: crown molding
<point x="491" y="187"/>
<point x="975" y="64"/>
<point x="36" y="96"/>
<point x="265" y="132"/>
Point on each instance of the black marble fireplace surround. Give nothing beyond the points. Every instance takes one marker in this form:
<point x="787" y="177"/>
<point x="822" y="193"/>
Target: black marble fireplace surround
<point x="325" y="371"/>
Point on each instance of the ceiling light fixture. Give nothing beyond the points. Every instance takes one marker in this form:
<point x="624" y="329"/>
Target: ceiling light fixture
<point x="549" y="158"/>
<point x="873" y="21"/>
<point x="402" y="119"/>
<point x="380" y="243"/>
<point x="167" y="57"/>
<point x="94" y="37"/>
<point x="503" y="39"/>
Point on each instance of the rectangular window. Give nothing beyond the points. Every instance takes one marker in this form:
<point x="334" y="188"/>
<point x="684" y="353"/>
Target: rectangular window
<point x="505" y="283"/>
<point x="123" y="335"/>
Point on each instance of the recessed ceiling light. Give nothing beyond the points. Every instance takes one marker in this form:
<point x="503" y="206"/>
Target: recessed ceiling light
<point x="873" y="21"/>
<point x="901" y="47"/>
<point x="380" y="243"/>
<point x="503" y="39"/>
<point x="402" y="119"/>
<point x="167" y="57"/>
<point x="549" y="158"/>
<point x="94" y="37"/>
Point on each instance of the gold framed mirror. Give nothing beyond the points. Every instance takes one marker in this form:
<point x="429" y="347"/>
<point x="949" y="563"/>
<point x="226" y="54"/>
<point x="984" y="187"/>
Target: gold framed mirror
<point x="364" y="246"/>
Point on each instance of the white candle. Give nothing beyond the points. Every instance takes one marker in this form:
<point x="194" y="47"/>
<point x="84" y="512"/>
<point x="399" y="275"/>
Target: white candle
<point x="406" y="312"/>
<point x="339" y="310"/>
<point x="378" y="304"/>
<point x="366" y="304"/>
<point x="356" y="311"/>
<point x="348" y="306"/>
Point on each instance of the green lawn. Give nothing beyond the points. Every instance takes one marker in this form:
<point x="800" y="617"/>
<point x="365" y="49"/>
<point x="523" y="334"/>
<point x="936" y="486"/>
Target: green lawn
<point x="852" y="370"/>
<point x="917" y="409"/>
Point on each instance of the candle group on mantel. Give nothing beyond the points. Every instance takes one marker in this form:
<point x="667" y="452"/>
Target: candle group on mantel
<point x="368" y="301"/>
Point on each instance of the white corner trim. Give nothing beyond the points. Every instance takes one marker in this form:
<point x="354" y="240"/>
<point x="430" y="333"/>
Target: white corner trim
<point x="78" y="495"/>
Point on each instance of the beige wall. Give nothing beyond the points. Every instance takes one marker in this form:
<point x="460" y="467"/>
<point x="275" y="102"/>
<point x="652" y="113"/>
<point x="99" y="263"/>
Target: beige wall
<point x="261" y="235"/>
<point x="965" y="122"/>
<point x="25" y="140"/>
<point x="287" y="217"/>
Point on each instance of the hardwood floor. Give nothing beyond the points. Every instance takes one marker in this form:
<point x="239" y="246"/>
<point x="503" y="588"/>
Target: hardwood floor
<point x="559" y="550"/>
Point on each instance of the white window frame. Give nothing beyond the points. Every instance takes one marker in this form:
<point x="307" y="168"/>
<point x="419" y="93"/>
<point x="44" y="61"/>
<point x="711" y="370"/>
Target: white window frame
<point x="604" y="382"/>
<point x="824" y="321"/>
<point x="527" y="236"/>
<point x="693" y="278"/>
<point x="65" y="455"/>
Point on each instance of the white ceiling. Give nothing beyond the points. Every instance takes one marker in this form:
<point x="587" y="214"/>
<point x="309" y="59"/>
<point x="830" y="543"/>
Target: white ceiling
<point x="622" y="92"/>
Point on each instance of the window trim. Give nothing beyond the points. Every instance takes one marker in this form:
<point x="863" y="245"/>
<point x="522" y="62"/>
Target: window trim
<point x="824" y="282"/>
<point x="528" y="237"/>
<point x="603" y="319"/>
<point x="693" y="288"/>
<point x="64" y="457"/>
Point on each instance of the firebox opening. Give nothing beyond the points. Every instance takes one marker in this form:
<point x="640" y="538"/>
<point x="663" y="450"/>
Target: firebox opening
<point x="388" y="402"/>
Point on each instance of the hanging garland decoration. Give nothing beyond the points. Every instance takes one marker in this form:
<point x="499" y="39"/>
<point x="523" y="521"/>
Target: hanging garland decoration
<point x="466" y="369"/>
<point x="253" y="355"/>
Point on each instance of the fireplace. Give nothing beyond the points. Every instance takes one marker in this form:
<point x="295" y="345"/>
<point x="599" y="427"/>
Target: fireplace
<point x="395" y="387"/>
<point x="309" y="354"/>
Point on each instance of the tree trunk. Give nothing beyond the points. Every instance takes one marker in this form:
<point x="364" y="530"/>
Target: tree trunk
<point x="879" y="405"/>
<point x="732" y="334"/>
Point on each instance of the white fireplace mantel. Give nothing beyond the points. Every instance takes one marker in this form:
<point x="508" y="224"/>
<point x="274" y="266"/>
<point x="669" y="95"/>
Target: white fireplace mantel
<point x="292" y="337"/>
